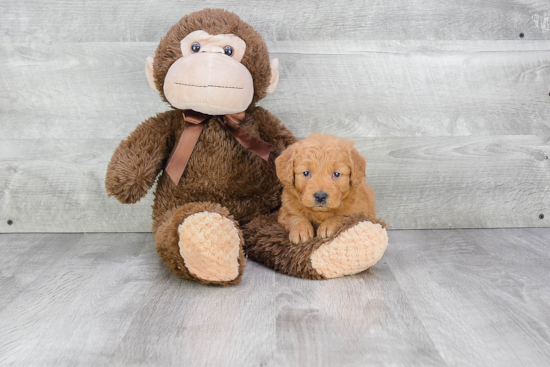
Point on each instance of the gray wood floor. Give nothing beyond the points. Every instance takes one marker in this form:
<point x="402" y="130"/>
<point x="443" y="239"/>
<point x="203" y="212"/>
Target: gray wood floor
<point x="437" y="298"/>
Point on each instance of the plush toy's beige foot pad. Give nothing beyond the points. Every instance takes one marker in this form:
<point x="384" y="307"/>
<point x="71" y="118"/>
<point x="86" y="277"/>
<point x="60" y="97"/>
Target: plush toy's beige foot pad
<point x="209" y="245"/>
<point x="353" y="251"/>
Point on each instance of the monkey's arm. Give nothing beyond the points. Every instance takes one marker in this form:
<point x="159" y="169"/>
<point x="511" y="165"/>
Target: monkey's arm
<point x="273" y="131"/>
<point x="138" y="160"/>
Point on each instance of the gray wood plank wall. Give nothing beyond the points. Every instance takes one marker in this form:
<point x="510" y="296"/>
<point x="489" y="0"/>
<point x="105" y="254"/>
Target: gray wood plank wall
<point x="450" y="105"/>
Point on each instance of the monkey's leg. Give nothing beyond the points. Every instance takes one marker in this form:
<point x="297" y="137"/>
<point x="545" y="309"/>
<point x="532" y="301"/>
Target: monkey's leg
<point x="202" y="242"/>
<point x="357" y="245"/>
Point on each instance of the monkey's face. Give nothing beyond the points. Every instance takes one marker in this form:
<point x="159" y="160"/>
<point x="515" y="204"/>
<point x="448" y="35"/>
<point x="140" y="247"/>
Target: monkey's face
<point x="212" y="62"/>
<point x="210" y="78"/>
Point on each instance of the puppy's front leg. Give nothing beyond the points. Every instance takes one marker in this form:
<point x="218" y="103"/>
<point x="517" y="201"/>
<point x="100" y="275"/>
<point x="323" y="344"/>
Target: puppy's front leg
<point x="301" y="232"/>
<point x="329" y="226"/>
<point x="300" y="229"/>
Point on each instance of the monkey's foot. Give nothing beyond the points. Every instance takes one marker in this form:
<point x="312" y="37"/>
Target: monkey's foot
<point x="352" y="251"/>
<point x="209" y="244"/>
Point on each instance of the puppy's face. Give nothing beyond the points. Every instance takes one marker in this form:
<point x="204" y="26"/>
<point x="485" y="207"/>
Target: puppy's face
<point x="322" y="179"/>
<point x="322" y="169"/>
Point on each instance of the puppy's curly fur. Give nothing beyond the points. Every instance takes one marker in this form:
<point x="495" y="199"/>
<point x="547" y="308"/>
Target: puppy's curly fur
<point x="323" y="178"/>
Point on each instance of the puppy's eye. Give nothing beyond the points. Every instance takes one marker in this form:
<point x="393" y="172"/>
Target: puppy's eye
<point x="306" y="174"/>
<point x="336" y="174"/>
<point x="228" y="50"/>
<point x="195" y="47"/>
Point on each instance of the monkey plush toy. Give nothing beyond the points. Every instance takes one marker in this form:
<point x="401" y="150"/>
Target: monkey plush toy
<point x="215" y="149"/>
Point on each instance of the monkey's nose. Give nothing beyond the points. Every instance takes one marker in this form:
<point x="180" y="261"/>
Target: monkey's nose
<point x="212" y="48"/>
<point x="320" y="197"/>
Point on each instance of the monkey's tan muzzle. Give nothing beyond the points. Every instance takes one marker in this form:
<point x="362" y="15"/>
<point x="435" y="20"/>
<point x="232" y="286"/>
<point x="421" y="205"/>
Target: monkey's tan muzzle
<point x="211" y="83"/>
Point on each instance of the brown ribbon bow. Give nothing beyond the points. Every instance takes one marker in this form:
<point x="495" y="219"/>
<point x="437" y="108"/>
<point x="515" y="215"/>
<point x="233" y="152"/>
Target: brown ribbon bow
<point x="190" y="135"/>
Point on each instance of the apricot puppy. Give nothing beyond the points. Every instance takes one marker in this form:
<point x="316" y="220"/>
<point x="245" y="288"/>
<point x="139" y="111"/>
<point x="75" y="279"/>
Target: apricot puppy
<point x="324" y="181"/>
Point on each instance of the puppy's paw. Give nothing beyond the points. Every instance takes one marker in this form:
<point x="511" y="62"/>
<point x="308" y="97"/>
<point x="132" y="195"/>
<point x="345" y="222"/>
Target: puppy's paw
<point x="328" y="228"/>
<point x="301" y="233"/>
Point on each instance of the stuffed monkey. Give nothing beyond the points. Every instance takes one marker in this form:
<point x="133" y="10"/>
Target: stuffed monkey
<point x="217" y="193"/>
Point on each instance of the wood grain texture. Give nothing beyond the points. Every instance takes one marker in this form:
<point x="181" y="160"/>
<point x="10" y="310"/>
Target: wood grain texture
<point x="202" y="322"/>
<point x="85" y="299"/>
<point x="437" y="298"/>
<point x="21" y="254"/>
<point x="75" y="90"/>
<point x="475" y="311"/>
<point x="59" y="186"/>
<point x="519" y="261"/>
<point x="365" y="89"/>
<point x="316" y="324"/>
<point x="69" y="21"/>
<point x="424" y="182"/>
<point x="359" y="89"/>
<point x="479" y="182"/>
<point x="455" y="126"/>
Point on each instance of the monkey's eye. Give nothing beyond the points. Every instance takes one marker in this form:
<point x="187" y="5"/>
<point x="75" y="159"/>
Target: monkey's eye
<point x="228" y="50"/>
<point x="306" y="174"/>
<point x="196" y="47"/>
<point x="336" y="174"/>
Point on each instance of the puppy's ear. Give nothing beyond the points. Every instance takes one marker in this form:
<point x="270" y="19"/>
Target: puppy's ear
<point x="358" y="165"/>
<point x="285" y="166"/>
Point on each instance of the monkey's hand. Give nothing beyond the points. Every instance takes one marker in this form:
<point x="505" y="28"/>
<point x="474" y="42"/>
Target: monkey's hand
<point x="137" y="161"/>
<point x="129" y="174"/>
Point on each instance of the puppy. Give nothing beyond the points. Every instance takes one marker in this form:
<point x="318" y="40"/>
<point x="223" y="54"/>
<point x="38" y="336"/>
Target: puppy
<point x="323" y="178"/>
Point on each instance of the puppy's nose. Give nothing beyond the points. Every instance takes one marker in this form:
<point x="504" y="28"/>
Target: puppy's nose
<point x="320" y="197"/>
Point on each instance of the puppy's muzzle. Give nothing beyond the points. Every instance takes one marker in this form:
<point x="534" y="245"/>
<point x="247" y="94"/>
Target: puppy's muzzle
<point x="320" y="198"/>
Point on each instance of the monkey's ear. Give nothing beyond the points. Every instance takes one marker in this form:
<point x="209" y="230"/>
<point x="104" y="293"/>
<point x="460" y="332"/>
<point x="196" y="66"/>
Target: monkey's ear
<point x="274" y="76"/>
<point x="149" y="72"/>
<point x="285" y="166"/>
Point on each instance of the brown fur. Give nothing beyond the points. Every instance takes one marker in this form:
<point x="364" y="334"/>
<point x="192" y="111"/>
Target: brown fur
<point x="267" y="242"/>
<point x="221" y="176"/>
<point x="321" y="155"/>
